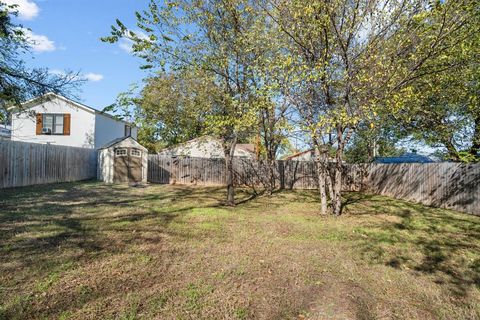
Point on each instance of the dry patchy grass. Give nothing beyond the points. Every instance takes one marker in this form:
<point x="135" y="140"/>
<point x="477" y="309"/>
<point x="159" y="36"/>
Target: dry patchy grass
<point x="90" y="251"/>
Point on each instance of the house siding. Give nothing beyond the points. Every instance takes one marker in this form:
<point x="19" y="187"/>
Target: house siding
<point x="88" y="128"/>
<point x="108" y="129"/>
<point x="82" y="128"/>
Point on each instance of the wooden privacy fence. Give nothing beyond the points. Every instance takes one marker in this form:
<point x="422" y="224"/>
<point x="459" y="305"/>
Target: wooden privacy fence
<point x="204" y="171"/>
<point x="446" y="185"/>
<point x="24" y="164"/>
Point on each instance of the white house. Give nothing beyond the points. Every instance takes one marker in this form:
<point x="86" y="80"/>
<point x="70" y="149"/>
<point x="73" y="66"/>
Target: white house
<point x="57" y="120"/>
<point x="207" y="147"/>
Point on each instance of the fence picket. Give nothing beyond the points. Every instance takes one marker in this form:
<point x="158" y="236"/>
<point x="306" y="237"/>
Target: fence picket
<point x="447" y="185"/>
<point x="23" y="164"/>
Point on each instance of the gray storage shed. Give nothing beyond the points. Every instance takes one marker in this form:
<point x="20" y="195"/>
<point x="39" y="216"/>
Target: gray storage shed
<point x="123" y="160"/>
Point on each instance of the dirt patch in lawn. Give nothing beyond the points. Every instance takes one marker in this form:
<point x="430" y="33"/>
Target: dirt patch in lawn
<point x="89" y="251"/>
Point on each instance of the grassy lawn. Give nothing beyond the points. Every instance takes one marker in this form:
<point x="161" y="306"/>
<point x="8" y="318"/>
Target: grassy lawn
<point x="91" y="251"/>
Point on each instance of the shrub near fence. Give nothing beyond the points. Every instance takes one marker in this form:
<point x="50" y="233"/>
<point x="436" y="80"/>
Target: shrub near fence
<point x="24" y="164"/>
<point x="446" y="185"/>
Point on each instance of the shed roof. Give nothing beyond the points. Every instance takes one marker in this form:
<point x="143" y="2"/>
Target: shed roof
<point x="405" y="158"/>
<point x="118" y="140"/>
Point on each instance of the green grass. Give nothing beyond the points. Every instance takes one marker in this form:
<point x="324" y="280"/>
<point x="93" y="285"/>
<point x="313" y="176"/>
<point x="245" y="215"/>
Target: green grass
<point x="89" y="250"/>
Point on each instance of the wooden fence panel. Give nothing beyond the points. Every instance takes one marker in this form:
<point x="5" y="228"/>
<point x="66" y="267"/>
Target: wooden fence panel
<point x="447" y="185"/>
<point x="24" y="164"/>
<point x="198" y="171"/>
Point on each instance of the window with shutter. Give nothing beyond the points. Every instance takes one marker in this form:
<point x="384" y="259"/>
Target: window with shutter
<point x="39" y="124"/>
<point x="66" y="124"/>
<point x="55" y="124"/>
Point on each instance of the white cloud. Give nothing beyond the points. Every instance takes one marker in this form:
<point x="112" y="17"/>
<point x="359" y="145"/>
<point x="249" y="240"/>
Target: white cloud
<point x="27" y="9"/>
<point x="126" y="43"/>
<point x="57" y="72"/>
<point x="93" y="77"/>
<point x="39" y="43"/>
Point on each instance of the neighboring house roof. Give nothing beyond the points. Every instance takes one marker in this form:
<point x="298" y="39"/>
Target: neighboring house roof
<point x="118" y="140"/>
<point x="298" y="154"/>
<point x="405" y="158"/>
<point x="306" y="152"/>
<point x="50" y="95"/>
<point x="186" y="143"/>
<point x="247" y="147"/>
<point x="201" y="142"/>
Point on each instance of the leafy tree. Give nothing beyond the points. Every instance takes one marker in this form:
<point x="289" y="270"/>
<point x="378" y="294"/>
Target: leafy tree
<point x="368" y="143"/>
<point x="206" y="36"/>
<point x="444" y="108"/>
<point x="179" y="104"/>
<point x="350" y="60"/>
<point x="18" y="82"/>
<point x="340" y="65"/>
<point x="274" y="123"/>
<point x="171" y="108"/>
<point x="127" y="107"/>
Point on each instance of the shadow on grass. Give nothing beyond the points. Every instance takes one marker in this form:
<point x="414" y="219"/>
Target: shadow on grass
<point x="44" y="227"/>
<point x="35" y="221"/>
<point x="437" y="242"/>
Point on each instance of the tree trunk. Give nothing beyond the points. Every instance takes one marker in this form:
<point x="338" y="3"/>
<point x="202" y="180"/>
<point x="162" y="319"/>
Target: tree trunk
<point x="337" y="193"/>
<point x="329" y="180"/>
<point x="229" y="178"/>
<point x="452" y="151"/>
<point x="229" y="152"/>
<point x="475" y="149"/>
<point x="271" y="172"/>
<point x="321" y="176"/>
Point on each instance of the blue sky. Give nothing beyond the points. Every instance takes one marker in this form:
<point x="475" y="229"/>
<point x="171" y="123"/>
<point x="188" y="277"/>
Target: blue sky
<point x="66" y="36"/>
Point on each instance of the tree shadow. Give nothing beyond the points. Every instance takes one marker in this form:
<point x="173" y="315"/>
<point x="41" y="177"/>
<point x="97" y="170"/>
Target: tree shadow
<point x="77" y="216"/>
<point x="435" y="242"/>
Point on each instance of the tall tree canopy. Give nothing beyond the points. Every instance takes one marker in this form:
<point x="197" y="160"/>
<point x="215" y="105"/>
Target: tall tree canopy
<point x="444" y="109"/>
<point x="208" y="36"/>
<point x="353" y="61"/>
<point x="329" y="67"/>
<point x="171" y="108"/>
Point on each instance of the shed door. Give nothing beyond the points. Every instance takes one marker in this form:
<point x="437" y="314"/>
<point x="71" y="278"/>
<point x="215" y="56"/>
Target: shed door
<point x="128" y="165"/>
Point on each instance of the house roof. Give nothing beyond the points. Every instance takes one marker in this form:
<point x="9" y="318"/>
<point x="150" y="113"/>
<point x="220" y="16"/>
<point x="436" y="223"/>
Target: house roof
<point x="50" y="95"/>
<point x="118" y="140"/>
<point x="405" y="158"/>
<point x="247" y="147"/>
<point x="297" y="154"/>
<point x="186" y="143"/>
